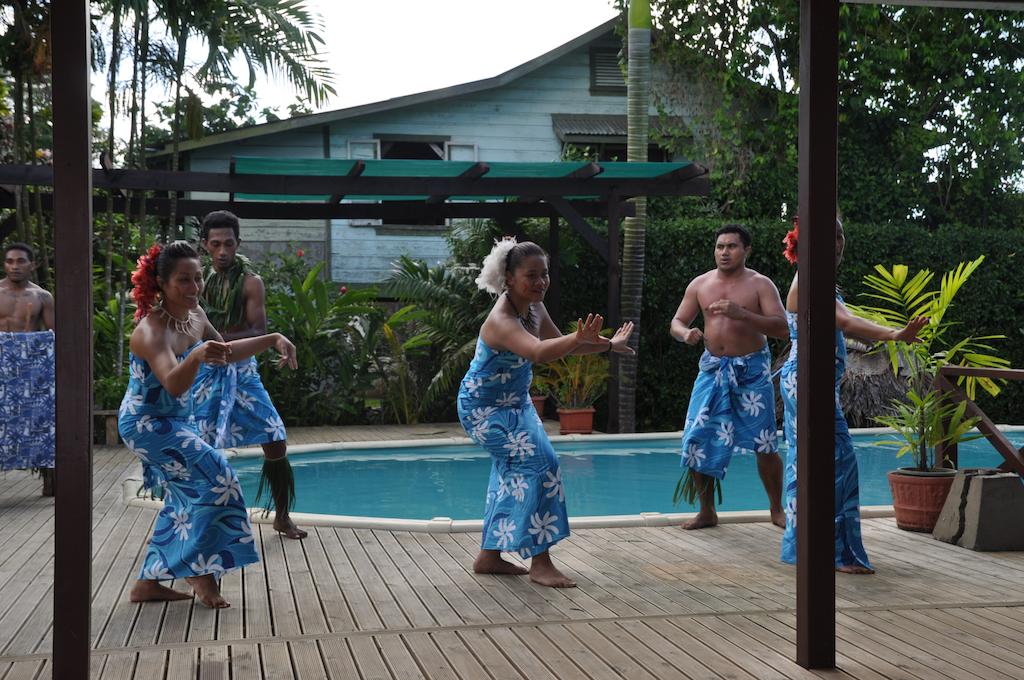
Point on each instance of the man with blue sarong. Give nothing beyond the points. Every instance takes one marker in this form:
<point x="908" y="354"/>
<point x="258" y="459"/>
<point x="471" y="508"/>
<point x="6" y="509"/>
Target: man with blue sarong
<point x="732" y="406"/>
<point x="27" y="425"/>
<point x="232" y="405"/>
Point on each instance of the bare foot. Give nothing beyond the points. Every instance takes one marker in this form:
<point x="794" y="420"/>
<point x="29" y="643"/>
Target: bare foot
<point x="207" y="591"/>
<point x="491" y="563"/>
<point x="778" y="518"/>
<point x="283" y="524"/>
<point x="854" y="569"/>
<point x="702" y="521"/>
<point x="153" y="591"/>
<point x="546" y="574"/>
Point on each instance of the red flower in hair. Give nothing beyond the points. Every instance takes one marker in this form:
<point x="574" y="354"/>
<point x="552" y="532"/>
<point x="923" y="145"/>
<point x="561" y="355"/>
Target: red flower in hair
<point x="790" y="241"/>
<point x="144" y="281"/>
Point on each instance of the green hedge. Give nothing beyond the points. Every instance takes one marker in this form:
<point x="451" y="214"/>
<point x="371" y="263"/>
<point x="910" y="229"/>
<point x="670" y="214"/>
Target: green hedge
<point x="992" y="302"/>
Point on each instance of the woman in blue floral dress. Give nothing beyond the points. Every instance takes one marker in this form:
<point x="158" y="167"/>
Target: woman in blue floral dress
<point x="525" y="504"/>
<point x="203" y="530"/>
<point x="850" y="556"/>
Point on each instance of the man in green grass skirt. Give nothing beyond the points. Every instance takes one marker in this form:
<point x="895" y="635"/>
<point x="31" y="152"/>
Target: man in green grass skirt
<point x="232" y="407"/>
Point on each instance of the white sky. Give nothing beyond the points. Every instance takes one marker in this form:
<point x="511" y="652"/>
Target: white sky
<point x="387" y="48"/>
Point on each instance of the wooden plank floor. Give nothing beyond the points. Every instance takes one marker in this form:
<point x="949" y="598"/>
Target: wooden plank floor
<point x="652" y="603"/>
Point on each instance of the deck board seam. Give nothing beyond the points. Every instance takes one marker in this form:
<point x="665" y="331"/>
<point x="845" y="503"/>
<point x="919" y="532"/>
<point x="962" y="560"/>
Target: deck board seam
<point x="192" y="644"/>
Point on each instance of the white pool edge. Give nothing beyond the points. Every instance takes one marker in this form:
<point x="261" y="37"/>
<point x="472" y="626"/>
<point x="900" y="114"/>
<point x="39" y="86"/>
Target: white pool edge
<point x="446" y="525"/>
<point x="253" y="451"/>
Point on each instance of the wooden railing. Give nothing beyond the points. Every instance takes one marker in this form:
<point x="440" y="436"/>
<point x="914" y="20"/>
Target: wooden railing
<point x="1013" y="460"/>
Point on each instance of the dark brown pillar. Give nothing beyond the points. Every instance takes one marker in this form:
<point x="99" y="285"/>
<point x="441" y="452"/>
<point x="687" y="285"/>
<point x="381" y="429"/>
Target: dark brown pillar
<point x="553" y="300"/>
<point x="72" y="186"/>
<point x="816" y="587"/>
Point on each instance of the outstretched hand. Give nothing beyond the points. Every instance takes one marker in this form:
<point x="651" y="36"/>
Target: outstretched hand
<point x="589" y="332"/>
<point x="286" y="349"/>
<point x="620" y="341"/>
<point x="909" y="332"/>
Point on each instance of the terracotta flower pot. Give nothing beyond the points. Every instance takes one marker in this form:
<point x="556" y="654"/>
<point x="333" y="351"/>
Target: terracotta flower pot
<point x="576" y="420"/>
<point x="917" y="497"/>
<point x="538" y="403"/>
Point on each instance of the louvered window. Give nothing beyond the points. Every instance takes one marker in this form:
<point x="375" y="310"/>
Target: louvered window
<point x="605" y="72"/>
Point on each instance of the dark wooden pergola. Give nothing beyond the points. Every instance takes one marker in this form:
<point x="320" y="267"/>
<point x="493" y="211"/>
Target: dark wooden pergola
<point x="73" y="180"/>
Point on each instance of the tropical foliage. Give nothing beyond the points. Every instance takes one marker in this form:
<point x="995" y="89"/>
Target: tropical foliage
<point x="576" y="380"/>
<point x="453" y="309"/>
<point x="927" y="418"/>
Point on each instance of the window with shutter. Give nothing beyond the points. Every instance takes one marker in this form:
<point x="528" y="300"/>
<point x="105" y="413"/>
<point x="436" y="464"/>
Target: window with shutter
<point x="605" y="73"/>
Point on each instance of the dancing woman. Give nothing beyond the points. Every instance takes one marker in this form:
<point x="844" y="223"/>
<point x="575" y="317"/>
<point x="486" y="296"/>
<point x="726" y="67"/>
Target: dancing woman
<point x="850" y="556"/>
<point x="203" y="530"/>
<point x="525" y="509"/>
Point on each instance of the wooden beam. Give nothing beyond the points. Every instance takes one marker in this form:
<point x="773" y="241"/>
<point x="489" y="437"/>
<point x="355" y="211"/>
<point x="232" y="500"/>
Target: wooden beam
<point x="817" y="149"/>
<point x="595" y="240"/>
<point x="589" y="170"/>
<point x="553" y="299"/>
<point x="72" y="577"/>
<point x="472" y="172"/>
<point x="355" y="171"/>
<point x="306" y="185"/>
<point x="391" y="210"/>
<point x="1013" y="460"/>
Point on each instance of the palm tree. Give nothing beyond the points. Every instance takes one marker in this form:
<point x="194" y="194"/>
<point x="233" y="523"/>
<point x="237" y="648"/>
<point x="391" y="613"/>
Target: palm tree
<point x="270" y="35"/>
<point x="638" y="95"/>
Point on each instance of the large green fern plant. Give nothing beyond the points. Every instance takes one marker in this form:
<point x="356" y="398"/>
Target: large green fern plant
<point x="926" y="418"/>
<point x="452" y="311"/>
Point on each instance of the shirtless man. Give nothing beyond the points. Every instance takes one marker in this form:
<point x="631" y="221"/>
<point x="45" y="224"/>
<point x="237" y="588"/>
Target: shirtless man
<point x="732" y="406"/>
<point x="25" y="308"/>
<point x="235" y="301"/>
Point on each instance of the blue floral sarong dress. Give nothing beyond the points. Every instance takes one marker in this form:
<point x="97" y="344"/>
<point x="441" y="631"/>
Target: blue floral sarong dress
<point x="232" y="407"/>
<point x="203" y="527"/>
<point x="525" y="504"/>
<point x="27" y="423"/>
<point x="732" y="408"/>
<point x="849" y="545"/>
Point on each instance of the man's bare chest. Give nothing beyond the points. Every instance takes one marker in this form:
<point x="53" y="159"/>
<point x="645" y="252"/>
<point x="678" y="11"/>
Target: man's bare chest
<point x="741" y="294"/>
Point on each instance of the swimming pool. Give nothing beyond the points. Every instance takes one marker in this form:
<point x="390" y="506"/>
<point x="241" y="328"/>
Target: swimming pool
<point x="614" y="476"/>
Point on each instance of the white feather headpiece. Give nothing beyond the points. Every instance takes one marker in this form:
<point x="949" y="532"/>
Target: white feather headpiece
<point x="492" y="274"/>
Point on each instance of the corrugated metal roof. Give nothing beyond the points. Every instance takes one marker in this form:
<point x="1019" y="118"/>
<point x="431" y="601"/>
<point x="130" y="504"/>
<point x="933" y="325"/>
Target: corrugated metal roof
<point x="592" y="125"/>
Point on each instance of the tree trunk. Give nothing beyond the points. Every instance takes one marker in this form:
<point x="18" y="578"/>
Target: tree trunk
<point x="108" y="235"/>
<point x="36" y="210"/>
<point x="143" y="71"/>
<point x="638" y="87"/>
<point x="179" y="73"/>
<point x="19" y="150"/>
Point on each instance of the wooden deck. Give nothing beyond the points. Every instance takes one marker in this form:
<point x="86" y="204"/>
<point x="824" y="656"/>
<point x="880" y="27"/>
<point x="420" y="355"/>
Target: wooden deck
<point x="652" y="603"/>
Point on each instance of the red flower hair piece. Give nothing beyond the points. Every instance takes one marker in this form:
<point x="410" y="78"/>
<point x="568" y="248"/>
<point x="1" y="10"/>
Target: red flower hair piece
<point x="144" y="281"/>
<point x="790" y="241"/>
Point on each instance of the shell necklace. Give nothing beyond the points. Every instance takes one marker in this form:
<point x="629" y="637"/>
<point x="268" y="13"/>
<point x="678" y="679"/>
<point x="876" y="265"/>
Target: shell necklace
<point x="188" y="326"/>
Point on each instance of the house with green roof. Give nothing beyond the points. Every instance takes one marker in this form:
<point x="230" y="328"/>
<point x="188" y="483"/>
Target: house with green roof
<point x="574" y="95"/>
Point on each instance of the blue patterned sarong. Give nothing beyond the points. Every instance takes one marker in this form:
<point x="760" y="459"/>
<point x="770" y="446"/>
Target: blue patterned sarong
<point x="732" y="408"/>
<point x="27" y="424"/>
<point x="525" y="506"/>
<point x="232" y="406"/>
<point x="849" y="545"/>
<point x="203" y="527"/>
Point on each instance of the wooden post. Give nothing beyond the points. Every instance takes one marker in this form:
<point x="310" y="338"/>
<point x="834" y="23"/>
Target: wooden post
<point x="816" y="587"/>
<point x="612" y="316"/>
<point x="553" y="300"/>
<point x="72" y="186"/>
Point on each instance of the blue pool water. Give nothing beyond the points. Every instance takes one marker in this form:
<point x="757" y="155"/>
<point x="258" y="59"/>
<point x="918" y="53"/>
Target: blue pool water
<point x="601" y="478"/>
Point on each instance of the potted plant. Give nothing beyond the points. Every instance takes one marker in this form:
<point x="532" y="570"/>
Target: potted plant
<point x="538" y="396"/>
<point x="575" y="382"/>
<point x="926" y="418"/>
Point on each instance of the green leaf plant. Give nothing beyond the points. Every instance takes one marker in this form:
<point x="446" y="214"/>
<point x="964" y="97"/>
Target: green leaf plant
<point x="575" y="380"/>
<point x="928" y="417"/>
